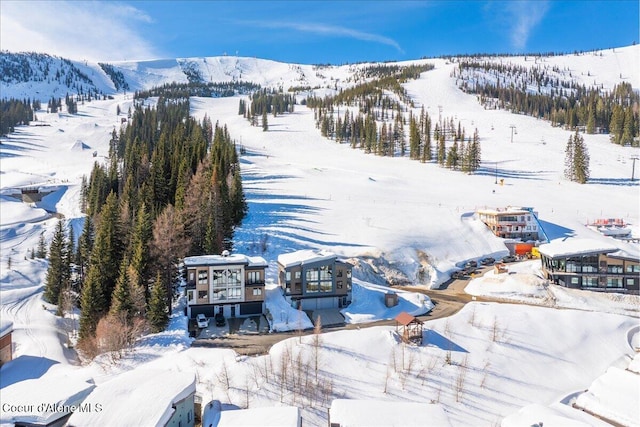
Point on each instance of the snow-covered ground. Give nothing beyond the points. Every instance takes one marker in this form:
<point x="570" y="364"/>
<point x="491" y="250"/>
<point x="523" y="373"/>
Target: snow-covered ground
<point x="396" y="219"/>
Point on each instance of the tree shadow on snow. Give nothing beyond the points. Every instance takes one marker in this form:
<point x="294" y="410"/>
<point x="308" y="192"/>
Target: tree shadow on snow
<point x="615" y="181"/>
<point x="434" y="339"/>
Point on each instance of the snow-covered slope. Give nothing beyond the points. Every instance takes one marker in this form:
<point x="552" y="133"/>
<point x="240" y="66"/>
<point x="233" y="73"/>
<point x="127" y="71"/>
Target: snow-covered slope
<point x="403" y="220"/>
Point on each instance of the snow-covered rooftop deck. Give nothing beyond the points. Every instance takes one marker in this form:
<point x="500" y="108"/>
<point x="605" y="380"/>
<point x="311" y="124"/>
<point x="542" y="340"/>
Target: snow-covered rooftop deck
<point x="571" y="246"/>
<point x="305" y="256"/>
<point x="235" y="259"/>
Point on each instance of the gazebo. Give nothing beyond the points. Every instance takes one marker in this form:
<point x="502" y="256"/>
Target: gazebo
<point x="411" y="328"/>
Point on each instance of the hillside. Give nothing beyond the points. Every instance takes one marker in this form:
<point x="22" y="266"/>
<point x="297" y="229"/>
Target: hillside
<point x="397" y="219"/>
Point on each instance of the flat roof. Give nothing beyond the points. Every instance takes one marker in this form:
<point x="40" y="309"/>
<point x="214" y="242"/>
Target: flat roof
<point x="575" y="246"/>
<point x="383" y="413"/>
<point x="507" y="210"/>
<point x="235" y="259"/>
<point x="305" y="256"/>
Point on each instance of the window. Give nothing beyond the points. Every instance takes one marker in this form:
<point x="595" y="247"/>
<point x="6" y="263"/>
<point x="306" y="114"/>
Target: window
<point x="253" y="277"/>
<point x="631" y="268"/>
<point x="203" y="277"/>
<point x="234" y="293"/>
<point x="202" y="294"/>
<point x="616" y="269"/>
<point x="339" y="284"/>
<point x="192" y="276"/>
<point x="190" y="296"/>
<point x="288" y="276"/>
<point x="339" y="273"/>
<point x="614" y="282"/>
<point x="589" y="282"/>
<point x="257" y="291"/>
<point x="631" y="282"/>
<point x="297" y="275"/>
<point x="575" y="281"/>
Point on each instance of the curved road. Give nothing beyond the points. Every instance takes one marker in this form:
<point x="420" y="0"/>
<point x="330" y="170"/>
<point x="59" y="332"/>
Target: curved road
<point x="448" y="301"/>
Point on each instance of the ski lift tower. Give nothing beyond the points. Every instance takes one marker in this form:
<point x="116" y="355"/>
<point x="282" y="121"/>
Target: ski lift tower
<point x="513" y="130"/>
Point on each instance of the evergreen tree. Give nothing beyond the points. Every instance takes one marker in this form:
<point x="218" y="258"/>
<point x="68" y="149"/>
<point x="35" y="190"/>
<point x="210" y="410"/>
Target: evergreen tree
<point x="158" y="314"/>
<point x="58" y="271"/>
<point x="42" y="247"/>
<point x="580" y="159"/>
<point x="107" y="252"/>
<point x="576" y="159"/>
<point x="85" y="246"/>
<point x="122" y="301"/>
<point x="92" y="305"/>
<point x="265" y="123"/>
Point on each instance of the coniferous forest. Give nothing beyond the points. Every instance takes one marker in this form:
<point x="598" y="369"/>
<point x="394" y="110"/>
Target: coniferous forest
<point x="170" y="188"/>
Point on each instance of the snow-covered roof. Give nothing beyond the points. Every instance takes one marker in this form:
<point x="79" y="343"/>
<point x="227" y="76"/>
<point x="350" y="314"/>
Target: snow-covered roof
<point x="507" y="210"/>
<point x="235" y="259"/>
<point x="356" y="413"/>
<point x="6" y="326"/>
<point x="43" y="400"/>
<point x="136" y="398"/>
<point x="281" y="416"/>
<point x="571" y="246"/>
<point x="305" y="256"/>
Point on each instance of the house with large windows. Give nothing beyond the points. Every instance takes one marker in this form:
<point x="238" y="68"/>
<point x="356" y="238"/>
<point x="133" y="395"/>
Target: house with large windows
<point x="591" y="265"/>
<point x="314" y="280"/>
<point x="511" y="222"/>
<point x="229" y="284"/>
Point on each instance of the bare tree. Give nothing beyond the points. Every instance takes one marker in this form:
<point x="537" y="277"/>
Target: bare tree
<point x="317" y="343"/>
<point x="224" y="380"/>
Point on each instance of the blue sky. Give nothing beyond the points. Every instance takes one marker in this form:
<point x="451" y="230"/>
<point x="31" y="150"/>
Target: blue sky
<point x="313" y="31"/>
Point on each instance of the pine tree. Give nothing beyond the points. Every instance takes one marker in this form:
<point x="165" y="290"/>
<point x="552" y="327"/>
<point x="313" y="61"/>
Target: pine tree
<point x="58" y="271"/>
<point x="121" y="301"/>
<point x="158" y="315"/>
<point x="92" y="305"/>
<point x="265" y="123"/>
<point x="42" y="247"/>
<point x="580" y="159"/>
<point x="569" y="160"/>
<point x="85" y="246"/>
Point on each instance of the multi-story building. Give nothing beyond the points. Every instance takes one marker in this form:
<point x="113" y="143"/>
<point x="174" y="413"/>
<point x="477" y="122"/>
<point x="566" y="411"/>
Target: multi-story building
<point x="229" y="284"/>
<point x="314" y="280"/>
<point x="511" y="222"/>
<point x="590" y="264"/>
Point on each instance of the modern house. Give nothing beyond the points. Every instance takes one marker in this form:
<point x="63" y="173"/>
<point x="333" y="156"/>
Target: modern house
<point x="141" y="397"/>
<point x="6" y="344"/>
<point x="511" y="222"/>
<point x="229" y="284"/>
<point x="314" y="280"/>
<point x="590" y="264"/>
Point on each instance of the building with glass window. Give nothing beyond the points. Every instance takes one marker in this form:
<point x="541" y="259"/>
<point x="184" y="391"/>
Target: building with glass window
<point x="314" y="280"/>
<point x="511" y="222"/>
<point x="229" y="284"/>
<point x="590" y="264"/>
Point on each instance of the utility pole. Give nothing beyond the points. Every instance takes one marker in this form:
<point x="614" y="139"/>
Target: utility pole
<point x="513" y="128"/>
<point x="633" y="167"/>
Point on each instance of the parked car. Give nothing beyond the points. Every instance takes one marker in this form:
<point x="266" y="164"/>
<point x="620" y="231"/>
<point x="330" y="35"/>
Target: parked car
<point x="468" y="271"/>
<point x="458" y="274"/>
<point x="509" y="258"/>
<point x="202" y="320"/>
<point x="220" y="319"/>
<point x="471" y="263"/>
<point x="487" y="261"/>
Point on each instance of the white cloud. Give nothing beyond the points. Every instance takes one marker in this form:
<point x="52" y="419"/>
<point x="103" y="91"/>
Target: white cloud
<point x="332" y="30"/>
<point x="98" y="31"/>
<point x="524" y="16"/>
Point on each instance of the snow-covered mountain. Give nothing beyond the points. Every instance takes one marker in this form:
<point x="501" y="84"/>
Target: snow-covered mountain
<point x="398" y="219"/>
<point x="33" y="75"/>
